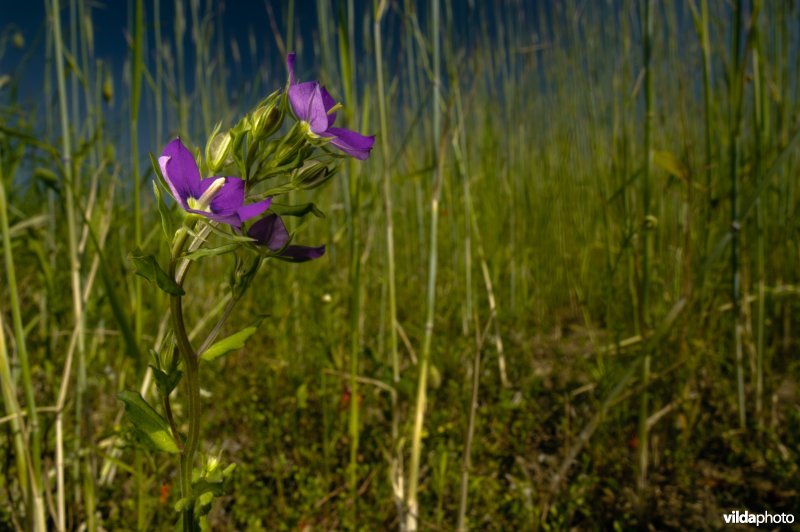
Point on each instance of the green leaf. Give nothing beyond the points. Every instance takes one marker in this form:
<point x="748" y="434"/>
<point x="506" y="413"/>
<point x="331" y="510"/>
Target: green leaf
<point x="231" y="343"/>
<point x="163" y="212"/>
<point x="114" y="299"/>
<point x="147" y="267"/>
<point x="148" y="422"/>
<point x="24" y="225"/>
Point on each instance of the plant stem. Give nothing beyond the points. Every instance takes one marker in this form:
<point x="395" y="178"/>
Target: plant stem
<point x="138" y="327"/>
<point x="412" y="504"/>
<point x="735" y="125"/>
<point x="136" y="90"/>
<point x="380" y="10"/>
<point x="709" y="113"/>
<point x="159" y="79"/>
<point x="759" y="130"/>
<point x="647" y="236"/>
<point x="192" y="376"/>
<point x="70" y="185"/>
<point x="346" y="29"/>
<point x="34" y="496"/>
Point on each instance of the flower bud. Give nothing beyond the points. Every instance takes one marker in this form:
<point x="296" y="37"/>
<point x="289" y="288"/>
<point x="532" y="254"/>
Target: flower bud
<point x="312" y="175"/>
<point x="291" y="143"/>
<point x="266" y="120"/>
<point x="217" y="151"/>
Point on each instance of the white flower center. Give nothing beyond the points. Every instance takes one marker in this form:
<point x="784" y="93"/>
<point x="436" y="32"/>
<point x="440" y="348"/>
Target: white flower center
<point x="204" y="202"/>
<point x="307" y="127"/>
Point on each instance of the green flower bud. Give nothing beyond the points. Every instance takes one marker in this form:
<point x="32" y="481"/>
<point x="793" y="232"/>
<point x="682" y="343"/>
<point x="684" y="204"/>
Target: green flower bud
<point x="292" y="144"/>
<point x="312" y="175"/>
<point x="266" y="120"/>
<point x="218" y="150"/>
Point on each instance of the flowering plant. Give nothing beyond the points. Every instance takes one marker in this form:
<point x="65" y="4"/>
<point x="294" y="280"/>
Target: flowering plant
<point x="239" y="209"/>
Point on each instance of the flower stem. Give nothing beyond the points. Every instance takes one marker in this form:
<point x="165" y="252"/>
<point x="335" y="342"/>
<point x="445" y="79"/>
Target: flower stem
<point x="192" y="370"/>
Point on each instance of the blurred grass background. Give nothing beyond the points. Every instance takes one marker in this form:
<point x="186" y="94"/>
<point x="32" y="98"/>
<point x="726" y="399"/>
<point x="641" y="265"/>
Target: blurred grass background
<point x="613" y="262"/>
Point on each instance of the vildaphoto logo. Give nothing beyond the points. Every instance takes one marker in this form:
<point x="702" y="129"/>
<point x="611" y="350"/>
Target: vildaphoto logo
<point x="763" y="518"/>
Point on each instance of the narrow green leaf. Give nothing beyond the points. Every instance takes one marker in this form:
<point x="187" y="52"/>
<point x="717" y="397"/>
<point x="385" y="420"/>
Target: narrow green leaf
<point x="231" y="343"/>
<point x="157" y="168"/>
<point x="163" y="212"/>
<point x="147" y="267"/>
<point x="33" y="222"/>
<point x="114" y="299"/>
<point x="148" y="422"/>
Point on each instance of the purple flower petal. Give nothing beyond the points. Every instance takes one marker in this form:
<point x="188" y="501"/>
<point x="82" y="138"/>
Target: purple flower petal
<point x="254" y="209"/>
<point x="180" y="172"/>
<point x="270" y="231"/>
<point x="302" y="253"/>
<point x="319" y="113"/>
<point x="311" y="103"/>
<point x="229" y="198"/>
<point x="315" y="113"/>
<point x="329" y="103"/>
<point x="352" y="143"/>
<point x="300" y="96"/>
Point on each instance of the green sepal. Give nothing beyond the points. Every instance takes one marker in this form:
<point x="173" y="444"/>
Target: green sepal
<point x="157" y="171"/>
<point x="241" y="276"/>
<point x="148" y="423"/>
<point x="230" y="343"/>
<point x="312" y="176"/>
<point x="147" y="267"/>
<point x="166" y="381"/>
<point x="280" y="190"/>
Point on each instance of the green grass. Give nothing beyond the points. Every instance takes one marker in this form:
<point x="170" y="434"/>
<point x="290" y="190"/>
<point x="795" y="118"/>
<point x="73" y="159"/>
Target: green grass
<point x="532" y="300"/>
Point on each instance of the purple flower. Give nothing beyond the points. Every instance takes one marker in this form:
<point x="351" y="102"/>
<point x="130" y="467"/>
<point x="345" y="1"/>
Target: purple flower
<point x="220" y="199"/>
<point x="313" y="105"/>
<point x="271" y="232"/>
